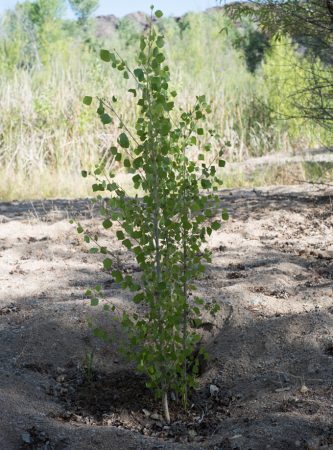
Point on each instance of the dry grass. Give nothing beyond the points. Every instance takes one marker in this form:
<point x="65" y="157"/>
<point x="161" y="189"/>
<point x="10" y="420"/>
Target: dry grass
<point x="47" y="136"/>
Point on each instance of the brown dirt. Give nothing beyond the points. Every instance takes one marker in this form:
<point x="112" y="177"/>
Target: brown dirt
<point x="270" y="347"/>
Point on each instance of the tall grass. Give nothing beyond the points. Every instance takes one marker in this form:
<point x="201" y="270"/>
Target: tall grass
<point x="47" y="136"/>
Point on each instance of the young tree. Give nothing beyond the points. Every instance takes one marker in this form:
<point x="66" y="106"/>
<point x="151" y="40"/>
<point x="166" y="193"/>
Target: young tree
<point x="30" y="30"/>
<point x="166" y="227"/>
<point x="310" y="23"/>
<point x="83" y="9"/>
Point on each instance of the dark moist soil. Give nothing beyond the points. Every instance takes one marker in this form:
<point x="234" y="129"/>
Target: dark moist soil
<point x="121" y="399"/>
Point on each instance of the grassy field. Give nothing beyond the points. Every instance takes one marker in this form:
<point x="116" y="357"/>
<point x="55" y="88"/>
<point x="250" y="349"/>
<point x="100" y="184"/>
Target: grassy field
<point x="47" y="136"/>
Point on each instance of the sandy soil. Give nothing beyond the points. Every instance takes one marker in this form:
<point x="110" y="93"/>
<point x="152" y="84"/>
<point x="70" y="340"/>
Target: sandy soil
<point x="270" y="347"/>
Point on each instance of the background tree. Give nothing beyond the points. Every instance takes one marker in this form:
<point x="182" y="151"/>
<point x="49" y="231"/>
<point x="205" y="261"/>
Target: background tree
<point x="83" y="9"/>
<point x="310" y="24"/>
<point x="31" y="30"/>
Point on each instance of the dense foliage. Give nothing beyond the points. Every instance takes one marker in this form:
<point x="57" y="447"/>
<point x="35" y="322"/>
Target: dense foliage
<point x="172" y="165"/>
<point x="310" y="24"/>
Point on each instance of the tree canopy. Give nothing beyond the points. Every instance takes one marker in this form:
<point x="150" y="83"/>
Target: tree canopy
<point x="310" y="24"/>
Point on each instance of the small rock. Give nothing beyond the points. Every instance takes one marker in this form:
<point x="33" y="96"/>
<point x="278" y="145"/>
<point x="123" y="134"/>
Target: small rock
<point x="61" y="379"/>
<point x="284" y="389"/>
<point x="146" y="412"/>
<point x="304" y="389"/>
<point x="236" y="436"/>
<point x="156" y="416"/>
<point x="213" y="390"/>
<point x="192" y="434"/>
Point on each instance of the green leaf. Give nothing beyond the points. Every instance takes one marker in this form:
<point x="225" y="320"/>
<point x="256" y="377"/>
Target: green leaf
<point x="111" y="187"/>
<point x="105" y="55"/>
<point x="87" y="100"/>
<point x="100" y="333"/>
<point x="200" y="131"/>
<point x="137" y="163"/>
<point x="160" y="58"/>
<point x="100" y="109"/>
<point x="123" y="140"/>
<point x="169" y="106"/>
<point x="196" y="310"/>
<point x="94" y="301"/>
<point x="126" y="76"/>
<point x="79" y="229"/>
<point x="225" y="215"/>
<point x="107" y="263"/>
<point x="86" y="239"/>
<point x="221" y="163"/>
<point x="127" y="243"/>
<point x="127" y="163"/>
<point x="199" y="301"/>
<point x="120" y="235"/>
<point x="139" y="74"/>
<point x="216" y="225"/>
<point x="93" y="250"/>
<point x="160" y="41"/>
<point x="206" y="184"/>
<point x="140" y="258"/>
<point x="84" y="173"/>
<point x="158" y="13"/>
<point x="133" y="91"/>
<point x="136" y="179"/>
<point x="106" y="119"/>
<point x="138" y="297"/>
<point x="117" y="275"/>
<point x="98" y="187"/>
<point x="107" y="223"/>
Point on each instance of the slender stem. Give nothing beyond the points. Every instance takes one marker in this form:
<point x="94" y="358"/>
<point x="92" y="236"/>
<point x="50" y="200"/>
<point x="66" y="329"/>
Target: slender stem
<point x="156" y="230"/>
<point x="185" y="312"/>
<point x="166" y="407"/>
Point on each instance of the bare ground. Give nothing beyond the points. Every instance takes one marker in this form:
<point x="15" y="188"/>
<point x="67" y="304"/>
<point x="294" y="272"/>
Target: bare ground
<point x="270" y="347"/>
